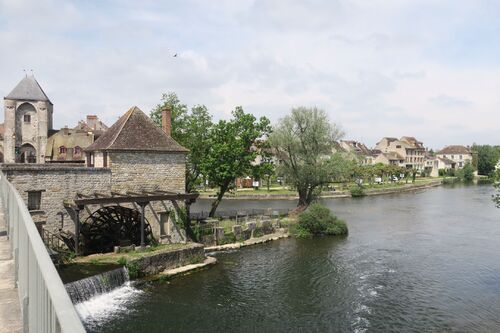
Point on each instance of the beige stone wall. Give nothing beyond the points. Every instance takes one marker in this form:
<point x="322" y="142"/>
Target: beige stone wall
<point x="136" y="171"/>
<point x="57" y="183"/>
<point x="128" y="172"/>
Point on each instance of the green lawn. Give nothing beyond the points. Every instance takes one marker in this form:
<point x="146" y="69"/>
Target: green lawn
<point x="339" y="188"/>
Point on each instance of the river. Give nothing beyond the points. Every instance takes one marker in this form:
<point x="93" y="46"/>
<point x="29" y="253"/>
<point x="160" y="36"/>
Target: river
<point x="413" y="262"/>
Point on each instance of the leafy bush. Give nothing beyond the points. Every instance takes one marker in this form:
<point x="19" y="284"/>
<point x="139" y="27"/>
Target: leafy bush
<point x="133" y="270"/>
<point x="122" y="261"/>
<point x="357" y="191"/>
<point x="318" y="220"/>
<point x="466" y="174"/>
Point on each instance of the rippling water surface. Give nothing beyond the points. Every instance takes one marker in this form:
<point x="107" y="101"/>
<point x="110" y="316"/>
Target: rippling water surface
<point x="423" y="262"/>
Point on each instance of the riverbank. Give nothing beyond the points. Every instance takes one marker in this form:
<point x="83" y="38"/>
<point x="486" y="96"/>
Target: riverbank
<point x="375" y="190"/>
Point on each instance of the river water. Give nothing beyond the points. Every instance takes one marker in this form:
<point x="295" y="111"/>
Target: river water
<point x="414" y="262"/>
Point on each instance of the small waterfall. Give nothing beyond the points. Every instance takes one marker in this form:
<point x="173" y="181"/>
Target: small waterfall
<point x="82" y="290"/>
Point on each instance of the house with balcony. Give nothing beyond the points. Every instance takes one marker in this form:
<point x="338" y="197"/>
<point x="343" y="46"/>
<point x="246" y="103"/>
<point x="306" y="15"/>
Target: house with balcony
<point x="407" y="151"/>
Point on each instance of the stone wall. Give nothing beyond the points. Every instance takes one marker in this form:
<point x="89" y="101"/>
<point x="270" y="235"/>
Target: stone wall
<point x="57" y="183"/>
<point x="128" y="173"/>
<point x="134" y="171"/>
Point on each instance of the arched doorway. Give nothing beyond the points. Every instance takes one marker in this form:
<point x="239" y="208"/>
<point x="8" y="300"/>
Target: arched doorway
<point x="27" y="154"/>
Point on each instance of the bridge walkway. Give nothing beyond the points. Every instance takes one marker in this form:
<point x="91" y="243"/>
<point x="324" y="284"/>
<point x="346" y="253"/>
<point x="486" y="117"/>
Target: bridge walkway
<point x="10" y="309"/>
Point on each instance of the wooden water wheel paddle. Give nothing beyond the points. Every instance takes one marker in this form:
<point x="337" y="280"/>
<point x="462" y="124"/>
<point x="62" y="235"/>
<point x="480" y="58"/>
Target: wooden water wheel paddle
<point x="113" y="226"/>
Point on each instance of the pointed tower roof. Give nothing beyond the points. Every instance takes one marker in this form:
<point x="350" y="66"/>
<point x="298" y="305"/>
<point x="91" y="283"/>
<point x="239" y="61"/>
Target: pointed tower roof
<point x="135" y="131"/>
<point x="28" y="89"/>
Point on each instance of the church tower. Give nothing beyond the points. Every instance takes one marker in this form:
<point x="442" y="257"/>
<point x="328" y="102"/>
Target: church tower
<point x="28" y="120"/>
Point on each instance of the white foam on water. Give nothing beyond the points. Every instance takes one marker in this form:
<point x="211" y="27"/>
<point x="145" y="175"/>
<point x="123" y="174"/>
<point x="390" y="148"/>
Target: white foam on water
<point x="101" y="307"/>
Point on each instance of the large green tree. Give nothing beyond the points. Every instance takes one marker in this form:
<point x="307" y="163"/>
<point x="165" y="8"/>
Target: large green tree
<point x="487" y="158"/>
<point x="304" y="141"/>
<point x="233" y="146"/>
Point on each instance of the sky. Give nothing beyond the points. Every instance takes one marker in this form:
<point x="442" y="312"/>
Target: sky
<point x="423" y="68"/>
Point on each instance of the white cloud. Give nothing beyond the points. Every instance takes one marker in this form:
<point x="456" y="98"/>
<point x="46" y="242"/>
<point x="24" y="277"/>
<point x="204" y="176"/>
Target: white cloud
<point x="381" y="68"/>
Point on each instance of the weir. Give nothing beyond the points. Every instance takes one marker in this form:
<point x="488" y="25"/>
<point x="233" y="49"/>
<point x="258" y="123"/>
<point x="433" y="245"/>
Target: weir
<point x="84" y="289"/>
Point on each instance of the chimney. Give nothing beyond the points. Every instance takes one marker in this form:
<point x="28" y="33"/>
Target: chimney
<point x="92" y="121"/>
<point x="166" y="120"/>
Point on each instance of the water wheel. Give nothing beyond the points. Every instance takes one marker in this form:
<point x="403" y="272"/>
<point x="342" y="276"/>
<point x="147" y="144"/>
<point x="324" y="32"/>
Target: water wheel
<point x="113" y="226"/>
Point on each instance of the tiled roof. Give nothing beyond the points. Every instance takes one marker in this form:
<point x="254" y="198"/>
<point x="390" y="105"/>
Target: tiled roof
<point x="454" y="150"/>
<point x="137" y="132"/>
<point x="28" y="89"/>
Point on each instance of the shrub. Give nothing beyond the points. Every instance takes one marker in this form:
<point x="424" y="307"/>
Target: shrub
<point x="122" y="261"/>
<point x="318" y="220"/>
<point x="466" y="174"/>
<point x="133" y="270"/>
<point x="357" y="191"/>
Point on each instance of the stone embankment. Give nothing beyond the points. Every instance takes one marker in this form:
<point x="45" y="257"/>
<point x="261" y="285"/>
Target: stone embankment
<point x="249" y="242"/>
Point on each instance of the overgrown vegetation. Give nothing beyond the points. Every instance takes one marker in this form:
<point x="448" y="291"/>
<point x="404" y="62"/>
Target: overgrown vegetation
<point x="319" y="220"/>
<point x="466" y="174"/>
<point x="357" y="191"/>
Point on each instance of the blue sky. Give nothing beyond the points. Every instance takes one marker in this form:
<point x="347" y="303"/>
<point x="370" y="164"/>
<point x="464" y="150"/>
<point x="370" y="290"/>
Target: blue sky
<point x="422" y="68"/>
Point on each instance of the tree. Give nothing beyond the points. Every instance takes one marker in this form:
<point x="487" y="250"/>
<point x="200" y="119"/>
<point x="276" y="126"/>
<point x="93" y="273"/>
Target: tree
<point x="265" y="169"/>
<point x="304" y="141"/>
<point x="232" y="150"/>
<point x="466" y="174"/>
<point x="192" y="130"/>
<point x="487" y="158"/>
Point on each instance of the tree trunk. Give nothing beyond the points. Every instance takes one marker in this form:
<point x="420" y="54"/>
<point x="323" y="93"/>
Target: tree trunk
<point x="268" y="184"/>
<point x="220" y="195"/>
<point x="302" y="198"/>
<point x="187" y="224"/>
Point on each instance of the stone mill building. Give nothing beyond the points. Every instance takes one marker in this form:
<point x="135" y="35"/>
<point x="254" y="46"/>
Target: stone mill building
<point x="134" y="157"/>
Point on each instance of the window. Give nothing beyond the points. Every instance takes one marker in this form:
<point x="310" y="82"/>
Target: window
<point x="62" y="150"/>
<point x="78" y="150"/>
<point x="460" y="157"/>
<point x="34" y="200"/>
<point x="398" y="146"/>
<point x="452" y="157"/>
<point x="27" y="118"/>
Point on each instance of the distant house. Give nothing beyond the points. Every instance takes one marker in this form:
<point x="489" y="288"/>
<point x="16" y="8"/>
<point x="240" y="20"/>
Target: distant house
<point x="358" y="149"/>
<point x="92" y="124"/>
<point x="460" y="155"/>
<point x="407" y="149"/>
<point x="390" y="158"/>
<point x="67" y="145"/>
<point x="433" y="164"/>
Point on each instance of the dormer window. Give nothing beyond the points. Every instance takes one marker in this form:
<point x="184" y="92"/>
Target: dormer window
<point x="62" y="150"/>
<point x="77" y="150"/>
<point x="27" y="118"/>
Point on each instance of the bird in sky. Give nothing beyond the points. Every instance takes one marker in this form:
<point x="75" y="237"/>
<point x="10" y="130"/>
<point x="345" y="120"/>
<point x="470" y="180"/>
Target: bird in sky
<point x="175" y="55"/>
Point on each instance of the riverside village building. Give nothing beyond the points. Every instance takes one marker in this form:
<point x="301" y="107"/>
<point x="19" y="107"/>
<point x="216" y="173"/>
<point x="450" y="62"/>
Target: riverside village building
<point x="134" y="164"/>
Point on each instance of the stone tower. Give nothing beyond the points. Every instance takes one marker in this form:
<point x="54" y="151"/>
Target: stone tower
<point x="28" y="120"/>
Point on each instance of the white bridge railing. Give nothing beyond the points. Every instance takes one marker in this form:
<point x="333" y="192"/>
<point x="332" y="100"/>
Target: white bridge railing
<point x="46" y="306"/>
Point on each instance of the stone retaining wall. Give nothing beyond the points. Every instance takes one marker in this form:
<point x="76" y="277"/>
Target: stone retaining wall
<point x="158" y="262"/>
